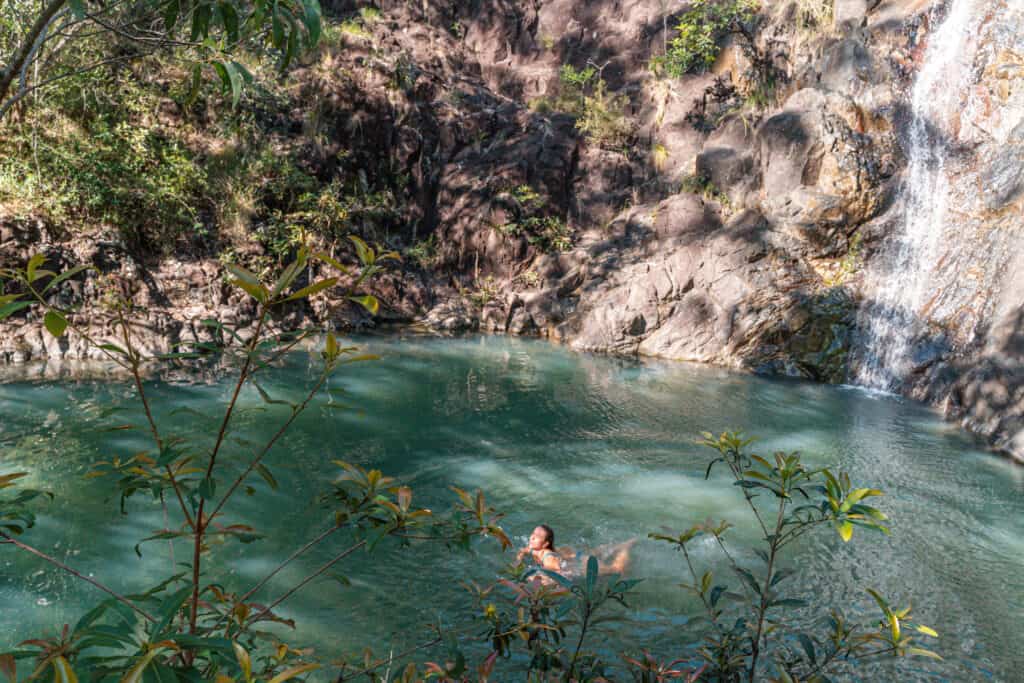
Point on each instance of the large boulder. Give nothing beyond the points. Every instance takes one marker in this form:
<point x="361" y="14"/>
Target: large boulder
<point x="823" y="174"/>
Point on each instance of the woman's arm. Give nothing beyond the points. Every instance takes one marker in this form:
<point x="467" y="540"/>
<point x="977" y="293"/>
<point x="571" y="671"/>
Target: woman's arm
<point x="551" y="562"/>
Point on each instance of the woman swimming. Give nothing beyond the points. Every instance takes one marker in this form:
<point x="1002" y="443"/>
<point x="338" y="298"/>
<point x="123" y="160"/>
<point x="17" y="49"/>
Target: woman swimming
<point x="541" y="548"/>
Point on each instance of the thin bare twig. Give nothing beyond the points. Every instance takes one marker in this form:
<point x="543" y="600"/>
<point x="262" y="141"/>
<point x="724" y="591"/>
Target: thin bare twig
<point x="342" y="677"/>
<point x="262" y="582"/>
<point x="54" y="561"/>
<point x="136" y="375"/>
<point x="330" y="563"/>
<point x="200" y="522"/>
<point x="270" y="444"/>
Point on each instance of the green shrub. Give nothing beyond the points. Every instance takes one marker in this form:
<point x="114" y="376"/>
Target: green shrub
<point x="603" y="119"/>
<point x="424" y="252"/>
<point x="98" y="165"/>
<point x="706" y="188"/>
<point x="600" y="115"/>
<point x="548" y="233"/>
<point x="695" y="46"/>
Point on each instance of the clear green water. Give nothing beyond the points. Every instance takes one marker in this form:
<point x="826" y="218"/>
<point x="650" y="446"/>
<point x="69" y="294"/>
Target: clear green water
<point x="600" y="448"/>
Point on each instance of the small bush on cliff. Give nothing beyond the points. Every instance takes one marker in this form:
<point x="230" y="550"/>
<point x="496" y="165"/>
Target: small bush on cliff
<point x="600" y="115"/>
<point x="603" y="120"/>
<point x="548" y="233"/>
<point x="696" y="44"/>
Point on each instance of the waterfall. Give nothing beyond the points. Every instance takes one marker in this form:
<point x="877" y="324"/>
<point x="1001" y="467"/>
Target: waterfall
<point x="900" y="280"/>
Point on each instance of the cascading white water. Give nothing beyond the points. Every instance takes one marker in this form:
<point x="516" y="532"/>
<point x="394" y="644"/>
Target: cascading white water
<point x="900" y="280"/>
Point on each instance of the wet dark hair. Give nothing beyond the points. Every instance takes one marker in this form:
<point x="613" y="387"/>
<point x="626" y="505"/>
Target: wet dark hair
<point x="551" y="536"/>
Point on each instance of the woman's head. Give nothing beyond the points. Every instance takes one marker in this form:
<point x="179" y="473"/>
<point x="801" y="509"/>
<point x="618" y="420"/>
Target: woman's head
<point x="542" y="538"/>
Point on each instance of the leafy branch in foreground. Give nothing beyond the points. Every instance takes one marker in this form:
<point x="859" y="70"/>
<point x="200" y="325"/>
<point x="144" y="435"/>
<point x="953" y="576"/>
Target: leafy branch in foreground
<point x="747" y="626"/>
<point x="43" y="42"/>
<point x="190" y="626"/>
<point x="193" y="626"/>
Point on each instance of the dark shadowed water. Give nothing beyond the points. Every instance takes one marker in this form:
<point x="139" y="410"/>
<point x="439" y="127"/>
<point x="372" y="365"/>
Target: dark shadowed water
<point x="602" y="449"/>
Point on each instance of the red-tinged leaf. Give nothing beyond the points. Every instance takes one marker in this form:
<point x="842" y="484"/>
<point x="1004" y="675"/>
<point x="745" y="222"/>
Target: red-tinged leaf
<point x="293" y="672"/>
<point x="404" y="498"/>
<point x="464" y="497"/>
<point x="9" y="667"/>
<point x="6" y="479"/>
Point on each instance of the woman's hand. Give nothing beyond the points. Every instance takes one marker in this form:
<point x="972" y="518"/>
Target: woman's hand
<point x="523" y="552"/>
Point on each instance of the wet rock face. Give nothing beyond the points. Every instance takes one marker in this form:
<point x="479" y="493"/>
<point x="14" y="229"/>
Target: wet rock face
<point x="968" y="356"/>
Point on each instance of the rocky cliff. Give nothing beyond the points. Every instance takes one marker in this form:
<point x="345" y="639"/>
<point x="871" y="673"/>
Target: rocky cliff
<point x="731" y="216"/>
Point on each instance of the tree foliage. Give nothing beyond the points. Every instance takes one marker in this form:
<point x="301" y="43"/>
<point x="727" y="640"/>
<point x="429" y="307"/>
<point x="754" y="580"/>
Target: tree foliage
<point x="699" y="32"/>
<point x="43" y="42"/>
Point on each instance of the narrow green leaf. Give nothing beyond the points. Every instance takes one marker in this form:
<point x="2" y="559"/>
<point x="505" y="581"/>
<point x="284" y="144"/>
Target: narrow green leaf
<point x="749" y="578"/>
<point x="34" y="262"/>
<point x="10" y="309"/>
<point x="277" y="28"/>
<point x="313" y="289"/>
<point x="201" y="22"/>
<point x="194" y="86"/>
<point x="592" y="572"/>
<point x="311" y="18"/>
<point x="169" y="608"/>
<point x="289" y="274"/>
<point x="171" y="12"/>
<point x="921" y="652"/>
<point x="229" y="20"/>
<point x="134" y="675"/>
<point x="257" y="291"/>
<point x="808" y="645"/>
<point x="928" y="631"/>
<point x="267" y="476"/>
<point x="232" y="81"/>
<point x="330" y="261"/>
<point x="64" y="276"/>
<point x="113" y="348"/>
<point x="331" y="346"/>
<point x="243" y="274"/>
<point x="363" y="250"/>
<point x="293" y="46"/>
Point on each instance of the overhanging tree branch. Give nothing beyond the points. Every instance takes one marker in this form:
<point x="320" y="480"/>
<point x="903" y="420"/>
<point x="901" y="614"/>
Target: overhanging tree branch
<point x="12" y="70"/>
